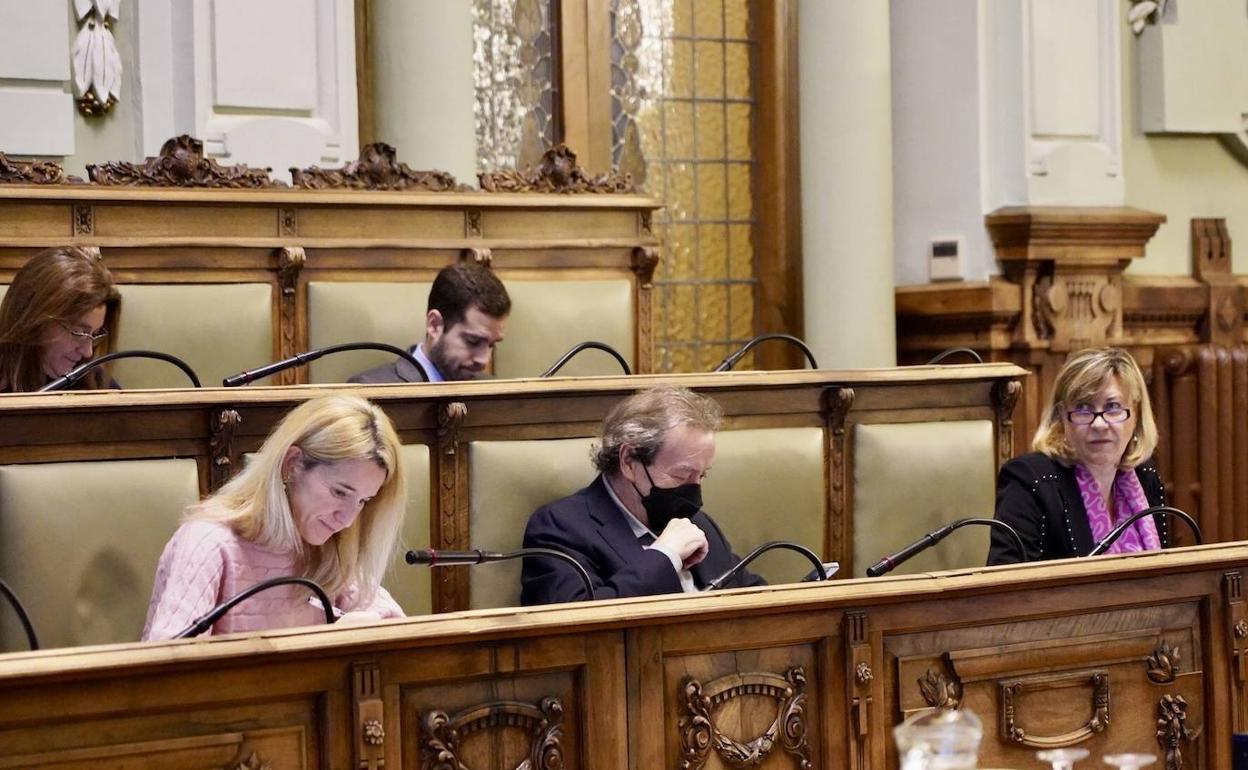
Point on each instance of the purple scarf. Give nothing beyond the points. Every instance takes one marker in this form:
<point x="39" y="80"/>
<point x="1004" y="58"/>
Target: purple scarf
<point x="1128" y="498"/>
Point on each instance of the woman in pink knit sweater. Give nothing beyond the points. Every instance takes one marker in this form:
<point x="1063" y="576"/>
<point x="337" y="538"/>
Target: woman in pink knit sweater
<point x="322" y="499"/>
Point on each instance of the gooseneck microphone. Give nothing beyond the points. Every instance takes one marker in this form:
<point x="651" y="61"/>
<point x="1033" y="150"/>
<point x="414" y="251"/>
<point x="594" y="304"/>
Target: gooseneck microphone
<point x="947" y="352"/>
<point x="31" y="638"/>
<point x="78" y="372"/>
<point x="299" y="359"/>
<point x="890" y="563"/>
<point x="719" y="582"/>
<point x="205" y="621"/>
<point x="577" y="348"/>
<point x="1117" y="531"/>
<point x="732" y="359"/>
<point x="436" y="558"/>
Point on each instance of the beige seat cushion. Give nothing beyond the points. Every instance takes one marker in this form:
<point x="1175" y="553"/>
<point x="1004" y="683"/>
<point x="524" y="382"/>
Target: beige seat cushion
<point x="508" y="481"/>
<point x="767" y="484"/>
<point x="910" y="479"/>
<point x="411" y="586"/>
<point x="342" y="311"/>
<point x="549" y="317"/>
<point x="79" y="544"/>
<point x="217" y="329"/>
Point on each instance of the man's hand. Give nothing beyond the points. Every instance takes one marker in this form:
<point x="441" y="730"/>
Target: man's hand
<point x="685" y="539"/>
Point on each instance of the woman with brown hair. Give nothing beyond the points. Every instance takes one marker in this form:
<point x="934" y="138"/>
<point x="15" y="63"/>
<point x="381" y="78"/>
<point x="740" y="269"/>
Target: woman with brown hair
<point x="1092" y="467"/>
<point x="61" y="309"/>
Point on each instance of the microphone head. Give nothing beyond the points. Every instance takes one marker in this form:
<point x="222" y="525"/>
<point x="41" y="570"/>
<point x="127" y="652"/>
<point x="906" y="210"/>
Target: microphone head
<point x="423" y="556"/>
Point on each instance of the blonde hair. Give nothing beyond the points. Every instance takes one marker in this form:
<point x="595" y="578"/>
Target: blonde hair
<point x="327" y="430"/>
<point x="644" y="419"/>
<point x="1083" y="375"/>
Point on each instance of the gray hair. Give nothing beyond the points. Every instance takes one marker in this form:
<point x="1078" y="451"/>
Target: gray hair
<point x="643" y="420"/>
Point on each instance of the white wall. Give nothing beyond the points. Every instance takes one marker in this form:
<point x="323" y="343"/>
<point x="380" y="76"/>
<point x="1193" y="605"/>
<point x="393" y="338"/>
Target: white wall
<point x="36" y="106"/>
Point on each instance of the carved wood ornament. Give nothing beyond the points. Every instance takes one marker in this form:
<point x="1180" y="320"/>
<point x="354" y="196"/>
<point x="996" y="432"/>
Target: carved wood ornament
<point x="1237" y="631"/>
<point x="1004" y="397"/>
<point x="32" y="172"/>
<point x="368" y="709"/>
<point x="253" y="762"/>
<point x="97" y="63"/>
<point x="1172" y="729"/>
<point x="859" y="681"/>
<point x="450" y="526"/>
<point x="290" y="262"/>
<point x="837" y="403"/>
<point x="377" y="168"/>
<point x="556" y="173"/>
<point x="1011" y="725"/>
<point x="222" y="446"/>
<point x="699" y="734"/>
<point x="181" y="163"/>
<point x="442" y="733"/>
<point x="941" y="690"/>
<point x="1164" y="663"/>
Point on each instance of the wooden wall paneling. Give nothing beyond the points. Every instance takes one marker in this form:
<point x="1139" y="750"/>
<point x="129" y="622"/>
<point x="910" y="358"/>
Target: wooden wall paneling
<point x="1232" y="646"/>
<point x="1207" y="443"/>
<point x="777" y="193"/>
<point x="1239" y="441"/>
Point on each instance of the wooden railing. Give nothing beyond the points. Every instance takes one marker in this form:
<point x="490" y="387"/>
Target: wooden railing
<point x="1141" y="653"/>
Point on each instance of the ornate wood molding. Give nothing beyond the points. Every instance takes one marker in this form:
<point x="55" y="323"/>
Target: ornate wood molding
<point x="253" y="762"/>
<point x="1172" y="729"/>
<point x="84" y="219"/>
<point x="441" y="733"/>
<point x="181" y="163"/>
<point x="836" y="405"/>
<point x="699" y="735"/>
<point x="290" y="262"/>
<point x="556" y="173"/>
<point x="369" y="712"/>
<point x="32" y="172"/>
<point x="859" y="680"/>
<point x="940" y="689"/>
<point x="1164" y="663"/>
<point x="1223" y="320"/>
<point x="377" y="168"/>
<point x="450" y="528"/>
<point x="1004" y="397"/>
<point x="1012" y="729"/>
<point x="645" y="261"/>
<point x="1236" y="610"/>
<point x="479" y="254"/>
<point x="221" y="446"/>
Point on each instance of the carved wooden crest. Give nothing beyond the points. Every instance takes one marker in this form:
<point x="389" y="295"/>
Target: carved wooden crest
<point x="940" y="690"/>
<point x="440" y="743"/>
<point x="377" y="168"/>
<point x="32" y="172"/>
<point x="1163" y="664"/>
<point x="181" y="163"/>
<point x="699" y="734"/>
<point x="1172" y="729"/>
<point x="556" y="173"/>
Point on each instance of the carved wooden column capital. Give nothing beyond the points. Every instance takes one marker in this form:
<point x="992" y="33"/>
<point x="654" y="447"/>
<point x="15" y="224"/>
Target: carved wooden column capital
<point x="1223" y="324"/>
<point x="1068" y="262"/>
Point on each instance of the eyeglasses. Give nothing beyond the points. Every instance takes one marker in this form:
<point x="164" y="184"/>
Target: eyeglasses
<point x="94" y="338"/>
<point x="1112" y="416"/>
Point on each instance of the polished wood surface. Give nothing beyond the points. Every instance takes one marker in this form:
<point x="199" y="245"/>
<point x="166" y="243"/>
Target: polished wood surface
<point x="216" y="426"/>
<point x="290" y="237"/>
<point x="1141" y="653"/>
<point x="1063" y="288"/>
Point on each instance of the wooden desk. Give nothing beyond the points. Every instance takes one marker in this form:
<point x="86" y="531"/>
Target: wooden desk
<point x="1120" y="653"/>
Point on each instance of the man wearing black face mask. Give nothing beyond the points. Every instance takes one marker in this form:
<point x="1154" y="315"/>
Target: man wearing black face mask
<point x="639" y="528"/>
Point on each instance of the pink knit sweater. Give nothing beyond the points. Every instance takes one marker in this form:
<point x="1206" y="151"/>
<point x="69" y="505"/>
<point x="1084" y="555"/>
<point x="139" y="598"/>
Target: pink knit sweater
<point x="206" y="563"/>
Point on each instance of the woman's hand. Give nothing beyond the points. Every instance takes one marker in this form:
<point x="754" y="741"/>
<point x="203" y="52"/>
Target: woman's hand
<point x="358" y="617"/>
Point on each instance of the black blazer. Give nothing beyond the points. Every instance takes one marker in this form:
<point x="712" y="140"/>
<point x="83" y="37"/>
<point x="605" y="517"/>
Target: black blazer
<point x="590" y="527"/>
<point x="399" y="370"/>
<point x="1038" y="496"/>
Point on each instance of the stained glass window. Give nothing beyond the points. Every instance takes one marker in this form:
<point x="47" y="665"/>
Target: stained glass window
<point x="682" y="110"/>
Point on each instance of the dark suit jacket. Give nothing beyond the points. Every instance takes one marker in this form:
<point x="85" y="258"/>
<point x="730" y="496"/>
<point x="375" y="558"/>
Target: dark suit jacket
<point x="1039" y="497"/>
<point x="399" y="370"/>
<point x="590" y="527"/>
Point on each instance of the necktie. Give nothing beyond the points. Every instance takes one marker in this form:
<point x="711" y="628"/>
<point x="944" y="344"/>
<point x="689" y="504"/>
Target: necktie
<point x="646" y="539"/>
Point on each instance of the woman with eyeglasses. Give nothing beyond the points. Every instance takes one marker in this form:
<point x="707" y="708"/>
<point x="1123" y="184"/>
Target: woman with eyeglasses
<point x="1092" y="467"/>
<point x="61" y="309"/>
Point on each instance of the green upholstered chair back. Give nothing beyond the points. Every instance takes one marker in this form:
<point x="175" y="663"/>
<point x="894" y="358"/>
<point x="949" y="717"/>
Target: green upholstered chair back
<point x="218" y="329"/>
<point x="342" y="311"/>
<point x="79" y="543"/>
<point x="547" y="318"/>
<point x="767" y="484"/>
<point x="411" y="586"/>
<point x="508" y="480"/>
<point x="912" y="478"/>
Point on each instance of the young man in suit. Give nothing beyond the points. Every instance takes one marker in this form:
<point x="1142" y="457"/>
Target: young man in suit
<point x="639" y="528"/>
<point x="466" y="317"/>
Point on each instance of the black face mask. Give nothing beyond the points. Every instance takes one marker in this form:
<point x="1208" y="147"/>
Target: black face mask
<point x="666" y="503"/>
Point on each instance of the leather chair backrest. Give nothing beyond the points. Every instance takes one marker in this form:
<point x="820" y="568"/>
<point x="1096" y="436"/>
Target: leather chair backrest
<point x="79" y="543"/>
<point x="217" y="329"/>
<point x="911" y="478"/>
<point x="411" y="586"/>
<point x="348" y="311"/>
